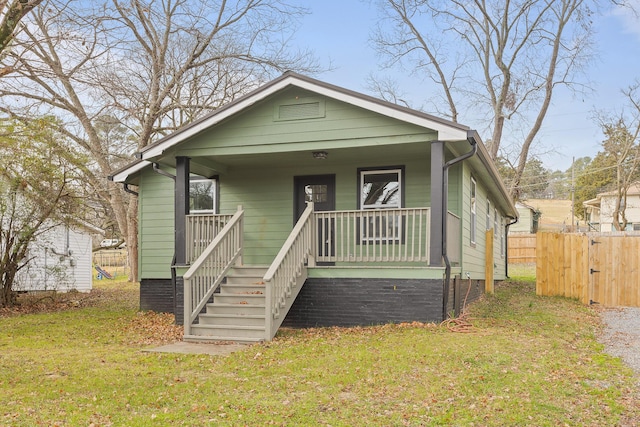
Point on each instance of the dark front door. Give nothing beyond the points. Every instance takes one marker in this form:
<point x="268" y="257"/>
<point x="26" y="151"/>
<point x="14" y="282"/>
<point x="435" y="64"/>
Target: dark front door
<point x="321" y="190"/>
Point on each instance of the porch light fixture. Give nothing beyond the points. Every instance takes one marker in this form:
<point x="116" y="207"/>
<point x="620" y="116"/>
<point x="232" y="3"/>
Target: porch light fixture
<point x="320" y="155"/>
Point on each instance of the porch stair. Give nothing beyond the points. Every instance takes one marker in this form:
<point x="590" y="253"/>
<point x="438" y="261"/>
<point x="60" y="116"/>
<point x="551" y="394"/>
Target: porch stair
<point x="224" y="300"/>
<point x="237" y="312"/>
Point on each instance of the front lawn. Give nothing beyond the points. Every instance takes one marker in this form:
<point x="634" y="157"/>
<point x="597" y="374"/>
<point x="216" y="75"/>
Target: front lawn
<point x="517" y="359"/>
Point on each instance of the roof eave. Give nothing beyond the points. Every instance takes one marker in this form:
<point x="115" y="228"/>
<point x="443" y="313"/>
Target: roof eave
<point x="447" y="130"/>
<point x="123" y="174"/>
<point x="488" y="163"/>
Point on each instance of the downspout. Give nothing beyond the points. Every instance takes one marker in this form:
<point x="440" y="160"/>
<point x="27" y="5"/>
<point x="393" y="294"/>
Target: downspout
<point x="128" y="190"/>
<point x="506" y="246"/>
<point x="445" y="194"/>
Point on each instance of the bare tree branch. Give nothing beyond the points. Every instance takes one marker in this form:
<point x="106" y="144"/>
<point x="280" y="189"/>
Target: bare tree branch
<point x="515" y="53"/>
<point x="123" y="74"/>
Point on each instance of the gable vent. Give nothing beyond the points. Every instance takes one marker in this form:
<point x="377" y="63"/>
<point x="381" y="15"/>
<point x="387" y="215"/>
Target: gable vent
<point x="300" y="110"/>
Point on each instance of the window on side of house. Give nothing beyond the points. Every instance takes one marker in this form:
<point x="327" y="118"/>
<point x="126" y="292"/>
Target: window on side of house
<point x="381" y="189"/>
<point x="472" y="218"/>
<point x="488" y="225"/>
<point x="503" y="237"/>
<point x="203" y="195"/>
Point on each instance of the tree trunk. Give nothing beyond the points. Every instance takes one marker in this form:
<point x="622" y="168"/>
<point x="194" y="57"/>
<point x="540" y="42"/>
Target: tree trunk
<point x="7" y="295"/>
<point x="132" y="235"/>
<point x="494" y="144"/>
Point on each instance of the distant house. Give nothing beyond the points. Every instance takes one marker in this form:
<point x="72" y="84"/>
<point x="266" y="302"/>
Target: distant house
<point x="599" y="211"/>
<point x="528" y="218"/>
<point x="61" y="261"/>
<point x="313" y="205"/>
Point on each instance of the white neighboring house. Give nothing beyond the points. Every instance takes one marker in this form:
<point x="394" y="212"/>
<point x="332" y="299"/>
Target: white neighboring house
<point x="599" y="211"/>
<point x="528" y="217"/>
<point x="61" y="262"/>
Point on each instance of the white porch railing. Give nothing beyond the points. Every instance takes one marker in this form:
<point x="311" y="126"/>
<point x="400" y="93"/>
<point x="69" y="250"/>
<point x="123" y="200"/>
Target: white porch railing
<point x="206" y="273"/>
<point x="288" y="272"/>
<point x="376" y="235"/>
<point x="201" y="230"/>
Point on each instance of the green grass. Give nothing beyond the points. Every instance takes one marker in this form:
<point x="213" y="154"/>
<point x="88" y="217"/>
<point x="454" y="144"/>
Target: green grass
<point x="522" y="272"/>
<point x="528" y="360"/>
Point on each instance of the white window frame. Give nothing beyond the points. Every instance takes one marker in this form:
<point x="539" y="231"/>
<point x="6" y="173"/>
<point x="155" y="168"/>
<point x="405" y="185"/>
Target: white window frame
<point x="214" y="195"/>
<point x="488" y="225"/>
<point x="390" y="233"/>
<point x="502" y="236"/>
<point x="473" y="226"/>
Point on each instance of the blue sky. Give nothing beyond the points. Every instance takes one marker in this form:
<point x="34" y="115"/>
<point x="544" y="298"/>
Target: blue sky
<point x="339" y="31"/>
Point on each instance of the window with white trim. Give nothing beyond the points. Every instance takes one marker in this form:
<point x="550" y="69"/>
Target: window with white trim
<point x="202" y="195"/>
<point x="488" y="225"/>
<point x="472" y="217"/>
<point x="502" y="237"/>
<point x="380" y="189"/>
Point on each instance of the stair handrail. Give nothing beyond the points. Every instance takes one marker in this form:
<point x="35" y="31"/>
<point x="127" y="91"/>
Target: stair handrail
<point x="207" y="272"/>
<point x="288" y="270"/>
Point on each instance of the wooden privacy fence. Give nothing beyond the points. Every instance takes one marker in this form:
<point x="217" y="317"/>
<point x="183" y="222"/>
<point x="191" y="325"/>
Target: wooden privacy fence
<point x="594" y="268"/>
<point x="522" y="248"/>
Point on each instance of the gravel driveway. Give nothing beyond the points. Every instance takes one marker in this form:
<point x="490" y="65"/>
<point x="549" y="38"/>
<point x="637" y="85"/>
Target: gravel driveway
<point x="621" y="335"/>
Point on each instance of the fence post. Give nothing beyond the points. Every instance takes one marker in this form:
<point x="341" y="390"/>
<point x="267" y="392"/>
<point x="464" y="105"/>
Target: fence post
<point x="488" y="265"/>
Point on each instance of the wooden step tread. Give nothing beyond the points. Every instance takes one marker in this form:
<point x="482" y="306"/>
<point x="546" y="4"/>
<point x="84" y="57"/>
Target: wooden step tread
<point x="212" y="338"/>
<point x="230" y="304"/>
<point x="244" y="316"/>
<point x="235" y="327"/>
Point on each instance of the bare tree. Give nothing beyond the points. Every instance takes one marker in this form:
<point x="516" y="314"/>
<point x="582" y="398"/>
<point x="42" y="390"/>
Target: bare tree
<point x="509" y="55"/>
<point x="11" y="12"/>
<point x="150" y="66"/>
<point x="38" y="182"/>
<point x="623" y="147"/>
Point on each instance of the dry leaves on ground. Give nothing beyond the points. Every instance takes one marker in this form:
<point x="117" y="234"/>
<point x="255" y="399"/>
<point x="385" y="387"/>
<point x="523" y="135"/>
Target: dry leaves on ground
<point x="51" y="301"/>
<point x="151" y="328"/>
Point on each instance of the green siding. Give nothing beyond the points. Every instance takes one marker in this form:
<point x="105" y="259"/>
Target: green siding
<point x="264" y="183"/>
<point x="473" y="258"/>
<point x="454" y="199"/>
<point x="256" y="131"/>
<point x="268" y="196"/>
<point x="155" y="226"/>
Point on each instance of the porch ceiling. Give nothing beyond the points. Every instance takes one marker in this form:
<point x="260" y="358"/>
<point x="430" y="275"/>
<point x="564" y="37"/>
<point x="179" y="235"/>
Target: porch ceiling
<point x="221" y="163"/>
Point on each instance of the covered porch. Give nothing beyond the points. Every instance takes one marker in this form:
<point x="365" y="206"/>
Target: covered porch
<point x="392" y="242"/>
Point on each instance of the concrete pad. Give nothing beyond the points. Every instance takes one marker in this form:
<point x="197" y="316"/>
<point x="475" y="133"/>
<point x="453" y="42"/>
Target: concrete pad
<point x="213" y="349"/>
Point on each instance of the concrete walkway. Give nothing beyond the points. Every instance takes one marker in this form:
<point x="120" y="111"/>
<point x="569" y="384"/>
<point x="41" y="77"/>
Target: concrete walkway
<point x="213" y="349"/>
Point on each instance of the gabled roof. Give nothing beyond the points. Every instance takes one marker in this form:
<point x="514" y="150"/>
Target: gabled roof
<point x="523" y="205"/>
<point x="634" y="190"/>
<point x="447" y="130"/>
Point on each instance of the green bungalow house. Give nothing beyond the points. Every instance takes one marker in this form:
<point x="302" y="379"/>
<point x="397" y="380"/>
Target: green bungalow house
<point x="307" y="204"/>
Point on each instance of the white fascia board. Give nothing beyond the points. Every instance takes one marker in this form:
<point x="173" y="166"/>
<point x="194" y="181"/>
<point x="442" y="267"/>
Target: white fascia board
<point x="124" y="174"/>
